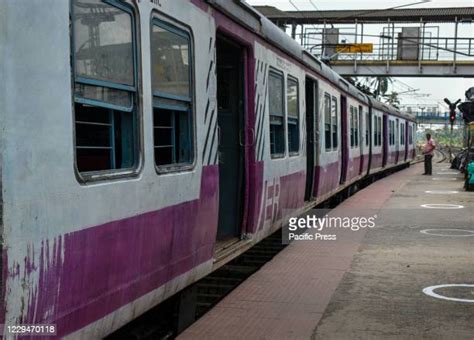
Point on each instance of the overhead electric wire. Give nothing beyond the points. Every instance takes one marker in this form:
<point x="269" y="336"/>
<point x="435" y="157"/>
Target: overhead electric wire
<point x="395" y="81"/>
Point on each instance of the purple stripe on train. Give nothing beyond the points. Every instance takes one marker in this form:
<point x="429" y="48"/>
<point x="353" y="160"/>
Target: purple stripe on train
<point x="354" y="168"/>
<point x="377" y="161"/>
<point x="87" y="274"/>
<point x="326" y="178"/>
<point x="255" y="204"/>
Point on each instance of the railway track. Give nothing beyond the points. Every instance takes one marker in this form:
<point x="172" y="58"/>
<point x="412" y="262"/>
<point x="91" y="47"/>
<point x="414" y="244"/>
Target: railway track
<point x="445" y="153"/>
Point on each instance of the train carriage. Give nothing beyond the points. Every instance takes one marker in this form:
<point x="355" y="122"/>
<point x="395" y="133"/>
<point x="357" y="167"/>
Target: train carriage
<point x="379" y="137"/>
<point x="146" y="143"/>
<point x="411" y="140"/>
<point x="357" y="140"/>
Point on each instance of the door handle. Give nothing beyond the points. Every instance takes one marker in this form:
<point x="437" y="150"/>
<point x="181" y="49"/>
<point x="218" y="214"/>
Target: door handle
<point x="254" y="137"/>
<point x="241" y="137"/>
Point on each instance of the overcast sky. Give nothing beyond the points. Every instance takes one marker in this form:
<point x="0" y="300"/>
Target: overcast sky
<point x="356" y="4"/>
<point x="439" y="88"/>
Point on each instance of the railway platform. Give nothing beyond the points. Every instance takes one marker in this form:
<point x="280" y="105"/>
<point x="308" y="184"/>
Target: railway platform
<point x="379" y="282"/>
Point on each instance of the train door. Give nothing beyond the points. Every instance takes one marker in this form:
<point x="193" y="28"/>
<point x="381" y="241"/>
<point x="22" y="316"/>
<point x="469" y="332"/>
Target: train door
<point x="230" y="119"/>
<point x="369" y="136"/>
<point x="344" y="144"/>
<point x="312" y="135"/>
<point x="397" y="139"/>
<point x="361" y="140"/>
<point x="385" y="149"/>
<point x="407" y="141"/>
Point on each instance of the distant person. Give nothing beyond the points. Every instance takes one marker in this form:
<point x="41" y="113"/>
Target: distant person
<point x="428" y="152"/>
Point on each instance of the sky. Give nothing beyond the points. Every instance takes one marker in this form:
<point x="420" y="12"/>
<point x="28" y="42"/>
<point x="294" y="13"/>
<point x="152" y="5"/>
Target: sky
<point x="356" y="4"/>
<point x="438" y="88"/>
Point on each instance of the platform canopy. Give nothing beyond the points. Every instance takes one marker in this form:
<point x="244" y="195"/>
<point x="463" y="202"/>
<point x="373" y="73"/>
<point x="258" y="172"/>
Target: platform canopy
<point x="368" y="16"/>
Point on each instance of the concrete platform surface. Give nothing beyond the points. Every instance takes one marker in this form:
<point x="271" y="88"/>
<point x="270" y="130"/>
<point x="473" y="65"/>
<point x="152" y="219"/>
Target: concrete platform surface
<point x="368" y="284"/>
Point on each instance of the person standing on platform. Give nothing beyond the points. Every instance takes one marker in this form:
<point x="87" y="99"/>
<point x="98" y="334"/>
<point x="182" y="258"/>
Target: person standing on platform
<point x="428" y="152"/>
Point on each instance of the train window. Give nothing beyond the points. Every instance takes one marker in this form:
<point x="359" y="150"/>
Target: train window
<point x="402" y="134"/>
<point x="334" y="123"/>
<point x="410" y="134"/>
<point x="277" y="114"/>
<point x="352" y="126"/>
<point x="327" y="121"/>
<point x="367" y="127"/>
<point x="105" y="89"/>
<point x="390" y="129"/>
<point x="377" y="131"/>
<point x="380" y="131"/>
<point x="292" y="95"/>
<point x="359" y="125"/>
<point x="395" y="129"/>
<point x="171" y="69"/>
<point x="103" y="44"/>
<point x="356" y="135"/>
<point x="390" y="133"/>
<point x="393" y="133"/>
<point x="397" y="132"/>
<point x="356" y="128"/>
<point x="395" y="139"/>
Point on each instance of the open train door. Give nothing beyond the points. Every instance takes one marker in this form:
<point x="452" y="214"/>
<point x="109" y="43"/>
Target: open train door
<point x="370" y="136"/>
<point x="312" y="135"/>
<point x="407" y="126"/>
<point x="385" y="139"/>
<point x="397" y="139"/>
<point x="344" y="144"/>
<point x="231" y="75"/>
<point x="361" y="140"/>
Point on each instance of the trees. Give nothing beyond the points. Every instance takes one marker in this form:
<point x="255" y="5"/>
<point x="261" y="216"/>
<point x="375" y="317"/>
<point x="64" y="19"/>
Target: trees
<point x="442" y="136"/>
<point x="377" y="87"/>
<point x="392" y="99"/>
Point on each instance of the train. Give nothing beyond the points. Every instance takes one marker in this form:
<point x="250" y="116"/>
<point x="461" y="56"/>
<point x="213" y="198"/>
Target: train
<point x="145" y="143"/>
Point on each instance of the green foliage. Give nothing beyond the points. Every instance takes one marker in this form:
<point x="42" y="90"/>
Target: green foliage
<point x="392" y="99"/>
<point x="443" y="136"/>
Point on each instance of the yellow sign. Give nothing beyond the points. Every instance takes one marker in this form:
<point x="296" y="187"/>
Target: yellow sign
<point x="355" y="48"/>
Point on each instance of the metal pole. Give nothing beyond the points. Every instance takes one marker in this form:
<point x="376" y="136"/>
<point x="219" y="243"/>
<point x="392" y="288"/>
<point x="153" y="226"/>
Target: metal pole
<point x="455" y="43"/>
<point x="388" y="54"/>
<point x="303" y="38"/>
<point x="323" y="49"/>
<point x="451" y="143"/>
<point x="420" y="55"/>
<point x="355" y="55"/>
<point x="393" y="42"/>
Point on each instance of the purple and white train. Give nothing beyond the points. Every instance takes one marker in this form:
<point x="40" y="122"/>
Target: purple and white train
<point x="144" y="143"/>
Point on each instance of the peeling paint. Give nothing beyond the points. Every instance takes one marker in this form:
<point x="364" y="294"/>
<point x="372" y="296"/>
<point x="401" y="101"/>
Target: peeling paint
<point x="78" y="278"/>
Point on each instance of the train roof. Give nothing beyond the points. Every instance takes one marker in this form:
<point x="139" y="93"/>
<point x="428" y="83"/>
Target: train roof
<point x="249" y="17"/>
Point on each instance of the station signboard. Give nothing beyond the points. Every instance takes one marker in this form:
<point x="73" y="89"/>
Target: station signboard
<point x="355" y="48"/>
